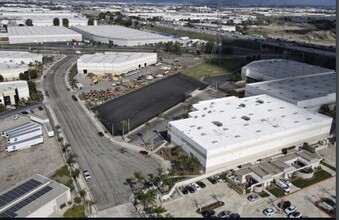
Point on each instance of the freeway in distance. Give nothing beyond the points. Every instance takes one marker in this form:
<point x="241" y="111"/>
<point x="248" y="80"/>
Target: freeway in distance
<point x="109" y="168"/>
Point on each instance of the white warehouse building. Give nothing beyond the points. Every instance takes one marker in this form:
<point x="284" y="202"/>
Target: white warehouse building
<point x="265" y="70"/>
<point x="11" y="92"/>
<point x="19" y="57"/>
<point x="32" y="34"/>
<point x="12" y="71"/>
<point x="227" y="132"/>
<point x="34" y="197"/>
<point x="310" y="92"/>
<point x="115" y="63"/>
<point x="119" y="35"/>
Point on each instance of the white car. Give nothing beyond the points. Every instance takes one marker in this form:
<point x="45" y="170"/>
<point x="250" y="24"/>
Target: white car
<point x="287" y="182"/>
<point x="15" y="117"/>
<point x="295" y="215"/>
<point x="86" y="174"/>
<point x="196" y="186"/>
<point x="290" y="209"/>
<point x="269" y="211"/>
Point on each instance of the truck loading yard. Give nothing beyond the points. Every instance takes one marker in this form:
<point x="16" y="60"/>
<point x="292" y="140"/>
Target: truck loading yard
<point x="16" y="166"/>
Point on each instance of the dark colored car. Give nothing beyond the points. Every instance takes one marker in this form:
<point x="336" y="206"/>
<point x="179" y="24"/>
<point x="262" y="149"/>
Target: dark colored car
<point x="190" y="189"/>
<point x="184" y="191"/>
<point x="234" y="215"/>
<point x="122" y="150"/>
<point x="212" y="180"/>
<point x="208" y="214"/>
<point x="284" y="205"/>
<point x="100" y="134"/>
<point x="201" y="184"/>
<point x="24" y="113"/>
<point x="40" y="108"/>
<point x="143" y="152"/>
<point x="74" y="98"/>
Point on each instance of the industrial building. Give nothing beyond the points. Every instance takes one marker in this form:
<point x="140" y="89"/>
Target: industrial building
<point x="115" y="63"/>
<point x="214" y="27"/>
<point x="226" y="132"/>
<point x="44" y="122"/>
<point x="19" y="57"/>
<point x="310" y="92"/>
<point x="262" y="174"/>
<point x="36" y="196"/>
<point x="265" y="70"/>
<point x="119" y="35"/>
<point x="32" y="34"/>
<point x="12" y="71"/>
<point x="12" y="92"/>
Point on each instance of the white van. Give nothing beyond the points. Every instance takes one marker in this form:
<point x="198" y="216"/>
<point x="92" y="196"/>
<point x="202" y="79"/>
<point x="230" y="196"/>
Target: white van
<point x="282" y="185"/>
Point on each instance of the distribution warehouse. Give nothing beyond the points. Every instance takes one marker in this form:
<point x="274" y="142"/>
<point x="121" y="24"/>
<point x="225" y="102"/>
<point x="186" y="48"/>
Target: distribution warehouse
<point x="309" y="92"/>
<point x="229" y="131"/>
<point x="11" y="92"/>
<point x="12" y="71"/>
<point x="265" y="70"/>
<point x="114" y="62"/>
<point x="36" y="196"/>
<point x="119" y="35"/>
<point x="32" y="34"/>
<point x="16" y="57"/>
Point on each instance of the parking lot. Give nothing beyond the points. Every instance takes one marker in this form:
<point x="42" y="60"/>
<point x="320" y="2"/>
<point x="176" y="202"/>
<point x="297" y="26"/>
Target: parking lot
<point x="43" y="159"/>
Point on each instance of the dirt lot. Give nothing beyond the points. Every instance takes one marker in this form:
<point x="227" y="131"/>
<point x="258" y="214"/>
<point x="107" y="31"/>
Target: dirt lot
<point x="43" y="159"/>
<point x="305" y="33"/>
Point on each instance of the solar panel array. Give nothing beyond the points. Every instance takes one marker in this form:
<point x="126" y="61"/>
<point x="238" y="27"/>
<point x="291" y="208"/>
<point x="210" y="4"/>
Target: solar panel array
<point x="10" y="213"/>
<point x="18" y="191"/>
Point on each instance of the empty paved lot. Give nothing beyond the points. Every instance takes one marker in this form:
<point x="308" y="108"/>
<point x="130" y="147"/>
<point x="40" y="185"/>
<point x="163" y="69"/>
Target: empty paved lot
<point x="43" y="159"/>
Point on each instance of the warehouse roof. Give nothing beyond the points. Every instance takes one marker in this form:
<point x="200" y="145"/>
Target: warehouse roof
<point x="299" y="88"/>
<point x="8" y="66"/>
<point x="13" y="85"/>
<point x="19" y="54"/>
<point x="113" y="57"/>
<point x="28" y="196"/>
<point x="280" y="69"/>
<point x="227" y="121"/>
<point x="39" y="30"/>
<point x="120" y="32"/>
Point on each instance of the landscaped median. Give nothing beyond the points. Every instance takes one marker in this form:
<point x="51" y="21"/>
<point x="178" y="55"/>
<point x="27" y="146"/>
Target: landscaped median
<point x="318" y="176"/>
<point x="277" y="192"/>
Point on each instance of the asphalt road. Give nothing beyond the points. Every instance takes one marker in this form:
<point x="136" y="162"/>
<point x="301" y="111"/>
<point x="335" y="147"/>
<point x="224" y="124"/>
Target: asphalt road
<point x="18" y="110"/>
<point x="108" y="167"/>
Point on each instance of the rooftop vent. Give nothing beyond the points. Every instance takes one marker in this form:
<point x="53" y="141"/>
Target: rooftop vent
<point x="225" y="129"/>
<point x="260" y="101"/>
<point x="246" y="118"/>
<point x="237" y="136"/>
<point x="199" y="128"/>
<point x="242" y="105"/>
<point x="209" y="111"/>
<point x="192" y="126"/>
<point x="214" y="142"/>
<point x="258" y="131"/>
<point x="217" y="123"/>
<point x="195" y="116"/>
<point x="203" y="116"/>
<point x="203" y="134"/>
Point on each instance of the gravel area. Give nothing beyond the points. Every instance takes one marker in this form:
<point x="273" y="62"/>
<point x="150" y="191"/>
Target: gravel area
<point x="43" y="159"/>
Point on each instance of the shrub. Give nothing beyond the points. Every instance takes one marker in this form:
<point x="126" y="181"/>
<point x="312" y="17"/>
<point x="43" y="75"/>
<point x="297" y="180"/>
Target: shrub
<point x="75" y="212"/>
<point x="77" y="200"/>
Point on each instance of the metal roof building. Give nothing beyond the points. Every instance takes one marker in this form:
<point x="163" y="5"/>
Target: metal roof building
<point x="114" y="62"/>
<point x="119" y="35"/>
<point x="231" y="131"/>
<point x="309" y="92"/>
<point x="36" y="196"/>
<point x="19" y="57"/>
<point x="32" y="34"/>
<point x="265" y="70"/>
<point x="11" y="92"/>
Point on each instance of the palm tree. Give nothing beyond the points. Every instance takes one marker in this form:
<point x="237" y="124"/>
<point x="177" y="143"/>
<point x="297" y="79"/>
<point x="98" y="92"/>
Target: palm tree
<point x="148" y="125"/>
<point x="170" y="174"/>
<point x="148" y="198"/>
<point x="139" y="177"/>
<point x="159" y="210"/>
<point x="123" y="124"/>
<point x="71" y="158"/>
<point x="82" y="193"/>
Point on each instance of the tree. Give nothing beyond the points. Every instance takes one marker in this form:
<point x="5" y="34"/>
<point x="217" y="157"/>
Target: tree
<point x="56" y="22"/>
<point x="29" y="22"/>
<point x="147" y="198"/>
<point x="24" y="76"/>
<point x="139" y="177"/>
<point x="31" y="87"/>
<point x="90" y="22"/>
<point x="188" y="107"/>
<point x="148" y="126"/>
<point x="83" y="193"/>
<point x="2" y="108"/>
<point x="110" y="44"/>
<point x="159" y="210"/>
<point x="65" y="22"/>
<point x="75" y="173"/>
<point x="123" y="125"/>
<point x="1" y="78"/>
<point x="71" y="158"/>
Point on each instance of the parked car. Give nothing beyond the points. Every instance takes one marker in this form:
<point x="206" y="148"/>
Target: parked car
<point x="234" y="215"/>
<point x="201" y="184"/>
<point x="217" y="178"/>
<point x="269" y="211"/>
<point x="24" y="113"/>
<point x="208" y="213"/>
<point x="290" y="209"/>
<point x="40" y="108"/>
<point x="86" y="174"/>
<point x="224" y="214"/>
<point x="100" y="134"/>
<point x="212" y="180"/>
<point x="15" y="117"/>
<point x="196" y="186"/>
<point x="184" y="191"/>
<point x="252" y="197"/>
<point x="122" y="150"/>
<point x="284" y="204"/>
<point x="190" y="189"/>
<point x="295" y="215"/>
<point x="143" y="152"/>
<point x="287" y="182"/>
<point x="74" y="98"/>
